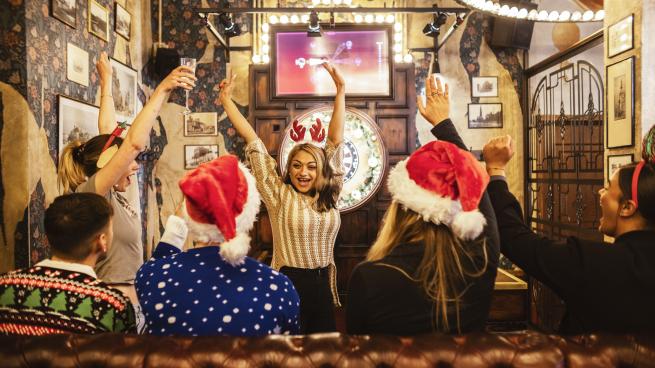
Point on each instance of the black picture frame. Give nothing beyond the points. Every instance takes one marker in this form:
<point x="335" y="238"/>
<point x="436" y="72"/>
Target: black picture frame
<point x="116" y="19"/>
<point x="188" y="166"/>
<point x="59" y="14"/>
<point x="495" y="126"/>
<point x="632" y="36"/>
<point x="610" y="172"/>
<point x="338" y="27"/>
<point x="609" y="110"/>
<point x="473" y="94"/>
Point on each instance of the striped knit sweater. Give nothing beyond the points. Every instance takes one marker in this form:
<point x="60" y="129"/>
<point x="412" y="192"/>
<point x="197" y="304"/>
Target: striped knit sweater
<point x="302" y="236"/>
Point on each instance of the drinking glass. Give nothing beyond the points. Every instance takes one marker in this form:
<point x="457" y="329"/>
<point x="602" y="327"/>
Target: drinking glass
<point x="191" y="63"/>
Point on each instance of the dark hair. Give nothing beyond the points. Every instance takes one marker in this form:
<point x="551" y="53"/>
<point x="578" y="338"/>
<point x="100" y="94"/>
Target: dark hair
<point x="72" y="220"/>
<point x="645" y="189"/>
<point x="78" y="161"/>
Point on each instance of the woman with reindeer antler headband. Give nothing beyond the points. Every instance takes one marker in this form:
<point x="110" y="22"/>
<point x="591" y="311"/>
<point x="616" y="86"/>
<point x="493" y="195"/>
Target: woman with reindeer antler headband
<point x="105" y="164"/>
<point x="302" y="205"/>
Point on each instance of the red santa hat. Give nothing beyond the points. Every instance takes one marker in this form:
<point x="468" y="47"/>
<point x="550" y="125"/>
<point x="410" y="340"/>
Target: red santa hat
<point x="444" y="185"/>
<point x="222" y="203"/>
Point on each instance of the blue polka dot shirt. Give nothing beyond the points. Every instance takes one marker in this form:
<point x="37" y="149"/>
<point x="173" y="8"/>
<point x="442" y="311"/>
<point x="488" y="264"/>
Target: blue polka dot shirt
<point x="197" y="293"/>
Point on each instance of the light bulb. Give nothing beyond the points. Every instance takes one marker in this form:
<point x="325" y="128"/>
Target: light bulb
<point x="496" y="8"/>
<point x="408" y="58"/>
<point x="576" y="16"/>
<point x="553" y="16"/>
<point x="266" y="49"/>
<point x="587" y="15"/>
<point x="266" y="28"/>
<point x="266" y="38"/>
<point x="513" y="12"/>
<point x="368" y="18"/>
<point x="397" y="47"/>
<point x="390" y="18"/>
<point x="379" y="18"/>
<point x="256" y="59"/>
<point x="398" y="37"/>
<point x="266" y="59"/>
<point x="316" y="2"/>
<point x="284" y="19"/>
<point x="600" y="15"/>
<point x="398" y="27"/>
<point x="522" y="14"/>
<point x="398" y="58"/>
<point x="273" y="19"/>
<point x="533" y="14"/>
<point x="336" y="2"/>
<point x="489" y="5"/>
<point x="543" y="15"/>
<point x="504" y="10"/>
<point x="295" y="19"/>
<point x="304" y="18"/>
<point x="565" y="16"/>
<point x="358" y="18"/>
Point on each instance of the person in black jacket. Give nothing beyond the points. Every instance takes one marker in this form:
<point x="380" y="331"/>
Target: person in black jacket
<point x="433" y="265"/>
<point x="606" y="287"/>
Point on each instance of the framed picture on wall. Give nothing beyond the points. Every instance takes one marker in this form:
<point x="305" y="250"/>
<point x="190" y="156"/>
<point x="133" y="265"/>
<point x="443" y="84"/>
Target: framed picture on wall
<point x="98" y="20"/>
<point x="123" y="22"/>
<point x="124" y="89"/>
<point x="485" y="115"/>
<point x="201" y="124"/>
<point x="196" y="154"/>
<point x="620" y="36"/>
<point x="484" y="87"/>
<point x="614" y="162"/>
<point x="77" y="121"/>
<point x="620" y="106"/>
<point x="77" y="65"/>
<point x="65" y="11"/>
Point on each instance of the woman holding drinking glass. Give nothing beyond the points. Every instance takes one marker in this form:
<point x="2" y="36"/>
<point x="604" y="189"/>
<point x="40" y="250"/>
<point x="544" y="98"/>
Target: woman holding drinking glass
<point x="106" y="164"/>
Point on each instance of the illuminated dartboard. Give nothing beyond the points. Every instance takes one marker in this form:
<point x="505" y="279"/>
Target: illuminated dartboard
<point x="364" y="155"/>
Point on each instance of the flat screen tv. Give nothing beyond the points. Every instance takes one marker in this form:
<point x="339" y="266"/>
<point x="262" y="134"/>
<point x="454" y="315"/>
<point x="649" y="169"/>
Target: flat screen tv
<point x="361" y="52"/>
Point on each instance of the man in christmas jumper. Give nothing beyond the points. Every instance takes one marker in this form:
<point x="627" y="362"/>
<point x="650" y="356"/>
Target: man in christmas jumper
<point x="214" y="289"/>
<point x="63" y="294"/>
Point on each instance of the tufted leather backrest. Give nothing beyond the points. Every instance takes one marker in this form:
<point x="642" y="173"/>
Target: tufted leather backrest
<point x="517" y="349"/>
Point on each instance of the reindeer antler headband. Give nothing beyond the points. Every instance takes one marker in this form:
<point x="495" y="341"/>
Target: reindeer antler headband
<point x="297" y="133"/>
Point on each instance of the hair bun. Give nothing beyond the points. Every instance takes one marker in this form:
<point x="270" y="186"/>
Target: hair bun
<point x="78" y="153"/>
<point x="648" y="146"/>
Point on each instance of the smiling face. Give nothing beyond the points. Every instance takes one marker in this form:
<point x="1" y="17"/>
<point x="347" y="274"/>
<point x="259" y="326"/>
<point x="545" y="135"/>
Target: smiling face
<point x="127" y="177"/>
<point x="303" y="171"/>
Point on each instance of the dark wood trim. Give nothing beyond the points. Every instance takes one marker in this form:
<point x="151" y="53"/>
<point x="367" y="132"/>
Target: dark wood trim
<point x="582" y="45"/>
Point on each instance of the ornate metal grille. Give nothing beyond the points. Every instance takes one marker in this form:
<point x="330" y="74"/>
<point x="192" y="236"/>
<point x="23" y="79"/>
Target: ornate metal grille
<point x="565" y="164"/>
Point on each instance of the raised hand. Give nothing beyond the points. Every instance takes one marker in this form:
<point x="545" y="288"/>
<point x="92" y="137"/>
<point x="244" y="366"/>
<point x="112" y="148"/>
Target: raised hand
<point x="180" y="77"/>
<point x="104" y="69"/>
<point x="225" y="87"/>
<point x="497" y="153"/>
<point x="437" y="104"/>
<point x="339" y="82"/>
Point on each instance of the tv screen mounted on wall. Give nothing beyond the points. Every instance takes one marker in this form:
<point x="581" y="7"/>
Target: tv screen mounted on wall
<point x="362" y="53"/>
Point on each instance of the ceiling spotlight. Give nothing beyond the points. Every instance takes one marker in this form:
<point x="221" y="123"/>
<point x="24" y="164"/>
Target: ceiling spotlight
<point x="434" y="28"/>
<point x="314" y="28"/>
<point x="231" y="29"/>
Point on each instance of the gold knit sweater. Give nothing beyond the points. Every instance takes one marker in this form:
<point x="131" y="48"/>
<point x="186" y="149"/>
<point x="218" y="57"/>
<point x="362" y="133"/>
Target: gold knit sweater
<point x="302" y="236"/>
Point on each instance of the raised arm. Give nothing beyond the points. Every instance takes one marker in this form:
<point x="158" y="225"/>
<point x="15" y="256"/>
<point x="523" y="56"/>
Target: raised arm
<point x="107" y="117"/>
<point x="139" y="134"/>
<point x="239" y="122"/>
<point x="335" y="131"/>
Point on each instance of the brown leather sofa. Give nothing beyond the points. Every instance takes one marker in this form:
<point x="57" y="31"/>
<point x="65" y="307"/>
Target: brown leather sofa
<point x="516" y="349"/>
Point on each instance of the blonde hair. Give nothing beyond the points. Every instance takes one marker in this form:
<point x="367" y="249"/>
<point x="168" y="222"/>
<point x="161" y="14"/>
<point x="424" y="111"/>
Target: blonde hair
<point x="441" y="270"/>
<point x="78" y="161"/>
<point x="326" y="186"/>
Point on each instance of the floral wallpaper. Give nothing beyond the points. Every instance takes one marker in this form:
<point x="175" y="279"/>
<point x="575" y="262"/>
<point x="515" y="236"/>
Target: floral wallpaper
<point x="477" y="27"/>
<point x="12" y="39"/>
